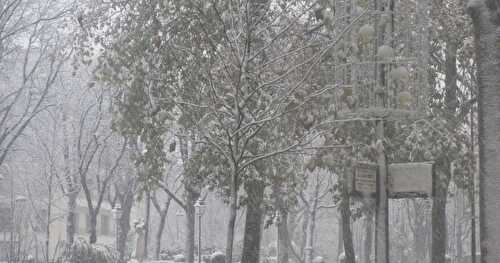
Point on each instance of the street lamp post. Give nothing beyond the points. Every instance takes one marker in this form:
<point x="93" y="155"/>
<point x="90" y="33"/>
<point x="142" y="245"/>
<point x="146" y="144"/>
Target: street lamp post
<point x="200" y="206"/>
<point x="17" y="200"/>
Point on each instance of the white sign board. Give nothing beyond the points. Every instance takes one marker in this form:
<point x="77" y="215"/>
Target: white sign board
<point x="410" y="180"/>
<point x="365" y="178"/>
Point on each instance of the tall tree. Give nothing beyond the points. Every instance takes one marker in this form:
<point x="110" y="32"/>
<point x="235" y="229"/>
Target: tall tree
<point x="29" y="69"/>
<point x="124" y="192"/>
<point x="486" y="21"/>
<point x="225" y="88"/>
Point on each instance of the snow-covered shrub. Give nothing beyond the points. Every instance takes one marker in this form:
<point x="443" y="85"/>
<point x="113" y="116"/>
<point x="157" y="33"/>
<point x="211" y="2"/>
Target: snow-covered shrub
<point x="404" y="99"/>
<point x="366" y="32"/>
<point x="179" y="258"/>
<point x="82" y="252"/>
<point x="217" y="257"/>
<point x="385" y="53"/>
<point x="400" y="75"/>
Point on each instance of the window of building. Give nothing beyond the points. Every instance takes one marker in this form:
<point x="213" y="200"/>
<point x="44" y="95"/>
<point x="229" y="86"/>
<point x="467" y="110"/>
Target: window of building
<point x="41" y="221"/>
<point x="105" y="225"/>
<point x="77" y="223"/>
<point x="87" y="222"/>
<point x="5" y="218"/>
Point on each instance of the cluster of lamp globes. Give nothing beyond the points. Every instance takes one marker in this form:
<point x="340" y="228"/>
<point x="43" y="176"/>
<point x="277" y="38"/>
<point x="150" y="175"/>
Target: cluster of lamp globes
<point x="399" y="75"/>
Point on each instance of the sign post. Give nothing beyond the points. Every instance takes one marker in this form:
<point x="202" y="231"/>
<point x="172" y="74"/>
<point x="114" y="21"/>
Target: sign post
<point x="382" y="210"/>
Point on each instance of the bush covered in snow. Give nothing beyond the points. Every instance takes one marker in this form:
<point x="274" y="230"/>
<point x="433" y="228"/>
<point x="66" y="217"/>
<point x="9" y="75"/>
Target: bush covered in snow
<point x="82" y="252"/>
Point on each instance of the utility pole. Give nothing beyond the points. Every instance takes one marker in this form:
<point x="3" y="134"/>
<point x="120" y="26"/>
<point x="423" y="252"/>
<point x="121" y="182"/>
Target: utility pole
<point x="382" y="211"/>
<point x="387" y="80"/>
<point x="382" y="202"/>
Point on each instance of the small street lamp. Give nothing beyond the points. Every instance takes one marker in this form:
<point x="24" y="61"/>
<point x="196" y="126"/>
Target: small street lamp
<point x="200" y="206"/>
<point x="19" y="199"/>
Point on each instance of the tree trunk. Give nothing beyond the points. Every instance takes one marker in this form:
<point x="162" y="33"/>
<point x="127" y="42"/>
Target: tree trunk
<point x="346" y="228"/>
<point x="253" y="222"/>
<point x="368" y="236"/>
<point x="283" y="238"/>
<point x="233" y="206"/>
<point x="159" y="234"/>
<point x="93" y="227"/>
<point x="191" y="197"/>
<point x="311" y="225"/>
<point x="70" y="218"/>
<point x="459" y="242"/>
<point x="71" y="190"/>
<point x="292" y="224"/>
<point x="303" y="236"/>
<point x="439" y="227"/>
<point x="124" y="226"/>
<point x="161" y="227"/>
<point x="486" y="19"/>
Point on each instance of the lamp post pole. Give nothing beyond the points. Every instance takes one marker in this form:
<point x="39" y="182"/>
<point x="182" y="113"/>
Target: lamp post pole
<point x="199" y="206"/>
<point x="13" y="201"/>
<point x="199" y="238"/>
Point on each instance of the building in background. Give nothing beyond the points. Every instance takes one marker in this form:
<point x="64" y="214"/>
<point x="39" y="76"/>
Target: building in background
<point x="28" y="231"/>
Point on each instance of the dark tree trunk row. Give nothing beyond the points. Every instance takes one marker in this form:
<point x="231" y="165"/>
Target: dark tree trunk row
<point x="253" y="221"/>
<point x="191" y="197"/>
<point x="345" y="212"/>
<point x="439" y="226"/>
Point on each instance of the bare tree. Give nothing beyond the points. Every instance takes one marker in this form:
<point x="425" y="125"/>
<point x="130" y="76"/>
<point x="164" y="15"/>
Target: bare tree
<point x="162" y="200"/>
<point x="32" y="53"/>
<point x="124" y="191"/>
<point x="162" y="209"/>
<point x="99" y="152"/>
<point x="319" y="184"/>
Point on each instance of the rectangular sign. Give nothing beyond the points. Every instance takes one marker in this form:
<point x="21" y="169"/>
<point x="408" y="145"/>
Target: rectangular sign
<point x="365" y="178"/>
<point x="408" y="180"/>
